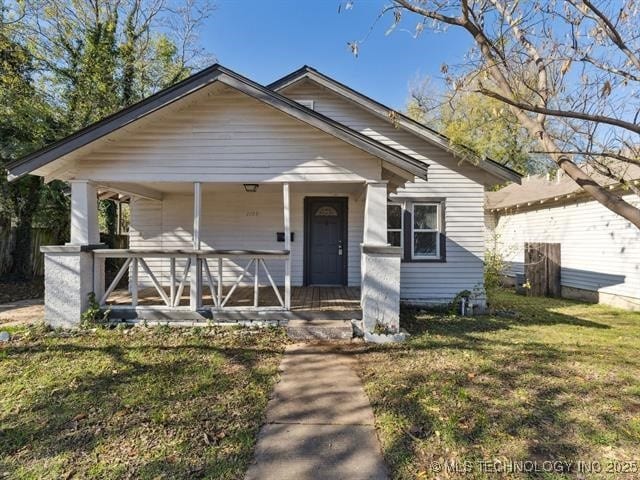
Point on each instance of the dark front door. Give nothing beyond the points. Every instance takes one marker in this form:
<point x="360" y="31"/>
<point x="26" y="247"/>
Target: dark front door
<point x="326" y="241"/>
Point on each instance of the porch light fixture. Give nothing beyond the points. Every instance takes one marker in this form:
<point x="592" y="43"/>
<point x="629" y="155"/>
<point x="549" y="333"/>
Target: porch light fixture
<point x="251" y="187"/>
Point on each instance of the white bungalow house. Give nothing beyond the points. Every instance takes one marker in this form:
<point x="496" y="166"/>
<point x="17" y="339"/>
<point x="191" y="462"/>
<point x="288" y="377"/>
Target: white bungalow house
<point x="282" y="201"/>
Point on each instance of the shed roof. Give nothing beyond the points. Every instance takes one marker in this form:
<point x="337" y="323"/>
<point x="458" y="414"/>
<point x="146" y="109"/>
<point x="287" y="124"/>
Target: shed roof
<point x="537" y="190"/>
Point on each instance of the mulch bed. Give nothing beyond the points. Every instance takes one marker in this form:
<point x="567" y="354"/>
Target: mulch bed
<point x="12" y="291"/>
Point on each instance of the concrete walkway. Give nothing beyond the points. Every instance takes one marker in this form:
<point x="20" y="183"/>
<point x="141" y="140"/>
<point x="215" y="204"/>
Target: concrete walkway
<point x="319" y="422"/>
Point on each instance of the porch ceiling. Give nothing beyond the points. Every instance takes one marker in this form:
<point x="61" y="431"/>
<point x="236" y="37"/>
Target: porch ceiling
<point x="187" y="187"/>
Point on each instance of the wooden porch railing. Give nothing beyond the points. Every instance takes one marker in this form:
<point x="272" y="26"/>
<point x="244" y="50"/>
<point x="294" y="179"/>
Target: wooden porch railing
<point x="213" y="277"/>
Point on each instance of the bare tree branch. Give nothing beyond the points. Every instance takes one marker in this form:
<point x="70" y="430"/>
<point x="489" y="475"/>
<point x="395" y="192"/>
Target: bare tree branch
<point x="612" y="32"/>
<point x="561" y="113"/>
<point x="526" y="68"/>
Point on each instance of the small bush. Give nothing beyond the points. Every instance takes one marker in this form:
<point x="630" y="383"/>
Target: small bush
<point x="94" y="315"/>
<point x="454" y="306"/>
<point x="494" y="266"/>
<point x="382" y="329"/>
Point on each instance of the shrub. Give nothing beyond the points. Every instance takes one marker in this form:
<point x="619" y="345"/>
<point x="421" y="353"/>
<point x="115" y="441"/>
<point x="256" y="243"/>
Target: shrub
<point x="494" y="266"/>
<point x="94" y="315"/>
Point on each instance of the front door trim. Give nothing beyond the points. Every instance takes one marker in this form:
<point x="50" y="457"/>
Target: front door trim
<point x="308" y="203"/>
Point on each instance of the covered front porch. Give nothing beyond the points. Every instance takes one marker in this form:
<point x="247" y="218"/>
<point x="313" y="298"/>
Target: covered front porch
<point x="224" y="252"/>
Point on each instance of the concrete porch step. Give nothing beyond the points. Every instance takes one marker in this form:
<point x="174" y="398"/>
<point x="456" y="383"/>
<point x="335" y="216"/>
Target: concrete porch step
<point x="319" y="329"/>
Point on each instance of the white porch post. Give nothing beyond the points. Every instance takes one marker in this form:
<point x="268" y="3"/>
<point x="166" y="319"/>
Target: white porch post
<point x="380" y="264"/>
<point x="286" y="201"/>
<point x="375" y="214"/>
<point x="84" y="213"/>
<point x="195" y="278"/>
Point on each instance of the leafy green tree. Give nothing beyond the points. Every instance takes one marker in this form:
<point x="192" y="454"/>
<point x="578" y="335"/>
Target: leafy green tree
<point x="26" y="122"/>
<point x="67" y="63"/>
<point x="477" y="127"/>
<point x="105" y="55"/>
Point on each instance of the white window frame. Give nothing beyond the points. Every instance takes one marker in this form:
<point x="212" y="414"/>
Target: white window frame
<point x="401" y="224"/>
<point x="414" y="230"/>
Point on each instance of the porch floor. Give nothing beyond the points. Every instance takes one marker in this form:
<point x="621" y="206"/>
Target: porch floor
<point x="325" y="299"/>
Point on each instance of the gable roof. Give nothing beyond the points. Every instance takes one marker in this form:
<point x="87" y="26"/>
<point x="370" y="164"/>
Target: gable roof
<point x="380" y="110"/>
<point x="539" y="190"/>
<point x="215" y="73"/>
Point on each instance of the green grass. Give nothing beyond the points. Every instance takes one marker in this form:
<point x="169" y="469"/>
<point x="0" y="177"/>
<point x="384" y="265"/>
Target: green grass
<point x="545" y="380"/>
<point x="137" y="403"/>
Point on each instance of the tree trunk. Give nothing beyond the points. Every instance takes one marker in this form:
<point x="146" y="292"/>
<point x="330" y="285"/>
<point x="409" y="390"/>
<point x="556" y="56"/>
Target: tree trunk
<point x="601" y="194"/>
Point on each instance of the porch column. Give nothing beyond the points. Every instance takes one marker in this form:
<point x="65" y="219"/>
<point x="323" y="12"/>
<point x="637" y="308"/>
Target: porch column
<point x="380" y="264"/>
<point x="375" y="214"/>
<point x="195" y="277"/>
<point x="69" y="270"/>
<point x="84" y="213"/>
<point x="286" y="201"/>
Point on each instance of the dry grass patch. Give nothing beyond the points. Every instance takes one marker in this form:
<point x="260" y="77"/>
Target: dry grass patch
<point x="137" y="403"/>
<point x="546" y="380"/>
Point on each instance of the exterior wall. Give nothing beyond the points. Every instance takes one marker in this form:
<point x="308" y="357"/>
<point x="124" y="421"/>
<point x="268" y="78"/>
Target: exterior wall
<point x="439" y="282"/>
<point x="600" y="250"/>
<point x="462" y="186"/>
<point x="236" y="221"/>
<point x="225" y="137"/>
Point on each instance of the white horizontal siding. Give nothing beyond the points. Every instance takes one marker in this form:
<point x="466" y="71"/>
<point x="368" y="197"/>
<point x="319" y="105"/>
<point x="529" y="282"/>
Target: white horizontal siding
<point x="464" y="231"/>
<point x="442" y="163"/>
<point x="460" y="184"/>
<point x="225" y="137"/>
<point x="600" y="250"/>
<point x="232" y="221"/>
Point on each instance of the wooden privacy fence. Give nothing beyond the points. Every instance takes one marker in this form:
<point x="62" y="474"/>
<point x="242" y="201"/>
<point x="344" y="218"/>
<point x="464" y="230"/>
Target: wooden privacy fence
<point x="542" y="269"/>
<point x="40" y="236"/>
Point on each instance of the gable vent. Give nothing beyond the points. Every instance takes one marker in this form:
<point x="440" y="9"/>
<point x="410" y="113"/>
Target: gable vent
<point x="306" y="103"/>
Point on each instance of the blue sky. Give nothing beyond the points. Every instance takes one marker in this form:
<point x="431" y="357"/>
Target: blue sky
<point x="265" y="40"/>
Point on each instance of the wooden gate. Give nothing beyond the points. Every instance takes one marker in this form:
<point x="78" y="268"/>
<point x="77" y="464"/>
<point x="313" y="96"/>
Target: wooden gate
<point x="542" y="269"/>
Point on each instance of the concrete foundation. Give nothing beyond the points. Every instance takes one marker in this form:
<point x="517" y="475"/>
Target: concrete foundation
<point x="381" y="287"/>
<point x="590" y="296"/>
<point x="68" y="281"/>
<point x="618" y="301"/>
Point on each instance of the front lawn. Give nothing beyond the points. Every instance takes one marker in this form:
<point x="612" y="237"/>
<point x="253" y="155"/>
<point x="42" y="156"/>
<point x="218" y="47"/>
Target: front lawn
<point x="136" y="403"/>
<point x="545" y="380"/>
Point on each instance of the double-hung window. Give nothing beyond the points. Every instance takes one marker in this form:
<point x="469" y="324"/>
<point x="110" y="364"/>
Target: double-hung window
<point x="418" y="228"/>
<point x="394" y="224"/>
<point x="425" y="230"/>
